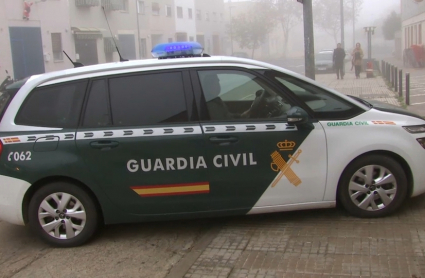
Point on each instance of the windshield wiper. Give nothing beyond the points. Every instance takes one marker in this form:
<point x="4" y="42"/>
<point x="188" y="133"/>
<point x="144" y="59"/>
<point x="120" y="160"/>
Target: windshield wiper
<point x="361" y="101"/>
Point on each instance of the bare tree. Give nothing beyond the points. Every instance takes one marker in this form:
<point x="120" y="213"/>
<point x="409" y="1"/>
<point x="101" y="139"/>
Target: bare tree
<point x="391" y="25"/>
<point x="288" y="13"/>
<point x="251" y="29"/>
<point x="327" y="15"/>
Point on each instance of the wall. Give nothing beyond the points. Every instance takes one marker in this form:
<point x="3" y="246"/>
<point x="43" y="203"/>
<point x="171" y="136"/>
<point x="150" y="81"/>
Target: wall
<point x="185" y="24"/>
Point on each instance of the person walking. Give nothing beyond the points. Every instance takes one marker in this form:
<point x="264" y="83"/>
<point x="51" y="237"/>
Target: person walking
<point x="357" y="59"/>
<point x="338" y="60"/>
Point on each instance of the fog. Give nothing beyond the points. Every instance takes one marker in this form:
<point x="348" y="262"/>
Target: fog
<point x="79" y="27"/>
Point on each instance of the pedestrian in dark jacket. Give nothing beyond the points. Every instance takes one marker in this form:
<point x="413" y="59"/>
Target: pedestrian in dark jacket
<point x="338" y="59"/>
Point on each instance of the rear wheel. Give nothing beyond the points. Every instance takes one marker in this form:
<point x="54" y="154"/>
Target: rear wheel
<point x="372" y="186"/>
<point x="63" y="214"/>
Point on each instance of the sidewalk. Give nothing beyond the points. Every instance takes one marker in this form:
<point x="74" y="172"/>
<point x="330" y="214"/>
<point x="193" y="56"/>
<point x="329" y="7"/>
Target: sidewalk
<point x="366" y="88"/>
<point x="417" y="85"/>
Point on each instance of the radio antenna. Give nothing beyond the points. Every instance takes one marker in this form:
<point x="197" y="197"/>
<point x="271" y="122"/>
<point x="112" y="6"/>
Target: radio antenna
<point x="76" y="64"/>
<point x="116" y="46"/>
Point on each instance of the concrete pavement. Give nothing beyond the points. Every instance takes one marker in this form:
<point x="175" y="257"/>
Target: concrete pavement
<point x="320" y="243"/>
<point x="417" y="85"/>
<point x="366" y="88"/>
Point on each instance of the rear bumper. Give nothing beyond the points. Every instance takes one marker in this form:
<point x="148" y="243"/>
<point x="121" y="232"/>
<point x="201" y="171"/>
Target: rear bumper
<point x="12" y="192"/>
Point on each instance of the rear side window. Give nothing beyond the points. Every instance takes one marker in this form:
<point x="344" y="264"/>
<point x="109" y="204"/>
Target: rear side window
<point x="97" y="110"/>
<point x="148" y="99"/>
<point x="53" y="106"/>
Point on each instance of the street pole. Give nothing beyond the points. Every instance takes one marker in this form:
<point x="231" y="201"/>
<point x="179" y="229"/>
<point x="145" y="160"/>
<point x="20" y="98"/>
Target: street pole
<point x="138" y="30"/>
<point x="342" y="24"/>
<point x="370" y="31"/>
<point x="354" y="24"/>
<point x="308" y="39"/>
<point x="231" y="27"/>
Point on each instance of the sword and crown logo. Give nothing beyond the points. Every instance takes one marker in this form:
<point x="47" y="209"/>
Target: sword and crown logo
<point x="284" y="167"/>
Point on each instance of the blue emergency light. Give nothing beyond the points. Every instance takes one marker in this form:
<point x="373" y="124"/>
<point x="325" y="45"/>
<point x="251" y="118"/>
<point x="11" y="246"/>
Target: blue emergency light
<point x="177" y="50"/>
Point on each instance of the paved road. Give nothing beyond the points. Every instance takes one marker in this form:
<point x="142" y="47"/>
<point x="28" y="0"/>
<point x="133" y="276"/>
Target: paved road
<point x="320" y="243"/>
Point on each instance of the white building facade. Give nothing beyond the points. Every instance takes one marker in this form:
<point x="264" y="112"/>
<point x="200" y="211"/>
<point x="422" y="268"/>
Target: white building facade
<point x="32" y="42"/>
<point x="413" y="22"/>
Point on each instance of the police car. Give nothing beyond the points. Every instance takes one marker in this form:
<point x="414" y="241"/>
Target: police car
<point x="198" y="136"/>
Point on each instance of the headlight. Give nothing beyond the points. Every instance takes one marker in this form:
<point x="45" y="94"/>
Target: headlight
<point x="415" y="128"/>
<point x="421" y="141"/>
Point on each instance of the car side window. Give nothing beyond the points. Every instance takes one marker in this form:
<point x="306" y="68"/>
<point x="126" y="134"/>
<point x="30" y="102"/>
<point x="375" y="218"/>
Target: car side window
<point x="53" y="106"/>
<point x="233" y="94"/>
<point x="324" y="104"/>
<point x="97" y="110"/>
<point x="148" y="99"/>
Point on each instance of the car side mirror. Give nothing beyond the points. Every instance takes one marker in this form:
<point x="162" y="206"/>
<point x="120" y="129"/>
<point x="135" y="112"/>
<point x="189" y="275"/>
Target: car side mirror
<point x="296" y="115"/>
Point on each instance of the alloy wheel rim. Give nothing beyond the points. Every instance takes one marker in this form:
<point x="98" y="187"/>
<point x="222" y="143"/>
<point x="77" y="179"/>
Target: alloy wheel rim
<point x="372" y="188"/>
<point x="62" y="215"/>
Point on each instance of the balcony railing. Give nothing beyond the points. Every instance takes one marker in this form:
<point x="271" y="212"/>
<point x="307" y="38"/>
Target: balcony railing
<point x="87" y="3"/>
<point x="113" y="5"/>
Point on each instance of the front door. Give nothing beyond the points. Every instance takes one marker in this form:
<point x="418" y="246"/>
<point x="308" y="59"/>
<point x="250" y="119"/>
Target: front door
<point x="257" y="159"/>
<point x="27" y="51"/>
<point x="141" y="144"/>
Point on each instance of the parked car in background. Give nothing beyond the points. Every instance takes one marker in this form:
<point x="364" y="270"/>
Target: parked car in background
<point x="240" y="55"/>
<point x="324" y="61"/>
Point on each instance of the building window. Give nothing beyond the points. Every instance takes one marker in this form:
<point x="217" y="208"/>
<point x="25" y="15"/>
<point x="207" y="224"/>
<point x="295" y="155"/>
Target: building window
<point x="221" y="16"/>
<point x="416" y="34"/>
<point x="191" y="39"/>
<point x="179" y="12"/>
<point x="155" y="8"/>
<point x="141" y="7"/>
<point x="189" y="11"/>
<point x="125" y="5"/>
<point x="57" y="46"/>
<point x="170" y="39"/>
<point x="214" y="16"/>
<point x="406" y="38"/>
<point x="143" y="48"/>
<point x="167" y="11"/>
<point x="207" y="16"/>
<point x="198" y="15"/>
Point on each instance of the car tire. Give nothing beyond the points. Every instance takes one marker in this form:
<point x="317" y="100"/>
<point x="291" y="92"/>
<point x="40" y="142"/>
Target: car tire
<point x="372" y="186"/>
<point x="63" y="214"/>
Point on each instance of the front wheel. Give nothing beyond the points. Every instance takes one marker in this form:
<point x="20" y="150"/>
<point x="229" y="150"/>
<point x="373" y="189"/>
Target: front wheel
<point x="63" y="214"/>
<point x="372" y="186"/>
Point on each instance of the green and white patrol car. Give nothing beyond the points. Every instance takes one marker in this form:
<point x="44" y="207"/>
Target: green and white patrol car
<point x="194" y="137"/>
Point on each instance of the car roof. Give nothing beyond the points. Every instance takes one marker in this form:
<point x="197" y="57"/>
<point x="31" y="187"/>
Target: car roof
<point x="144" y="65"/>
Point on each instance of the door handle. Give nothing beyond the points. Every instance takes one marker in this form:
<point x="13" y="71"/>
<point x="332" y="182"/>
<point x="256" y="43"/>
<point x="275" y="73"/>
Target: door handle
<point x="224" y="140"/>
<point x="104" y="145"/>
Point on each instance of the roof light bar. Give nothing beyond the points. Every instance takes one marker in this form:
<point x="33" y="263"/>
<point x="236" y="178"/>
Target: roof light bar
<point x="177" y="50"/>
